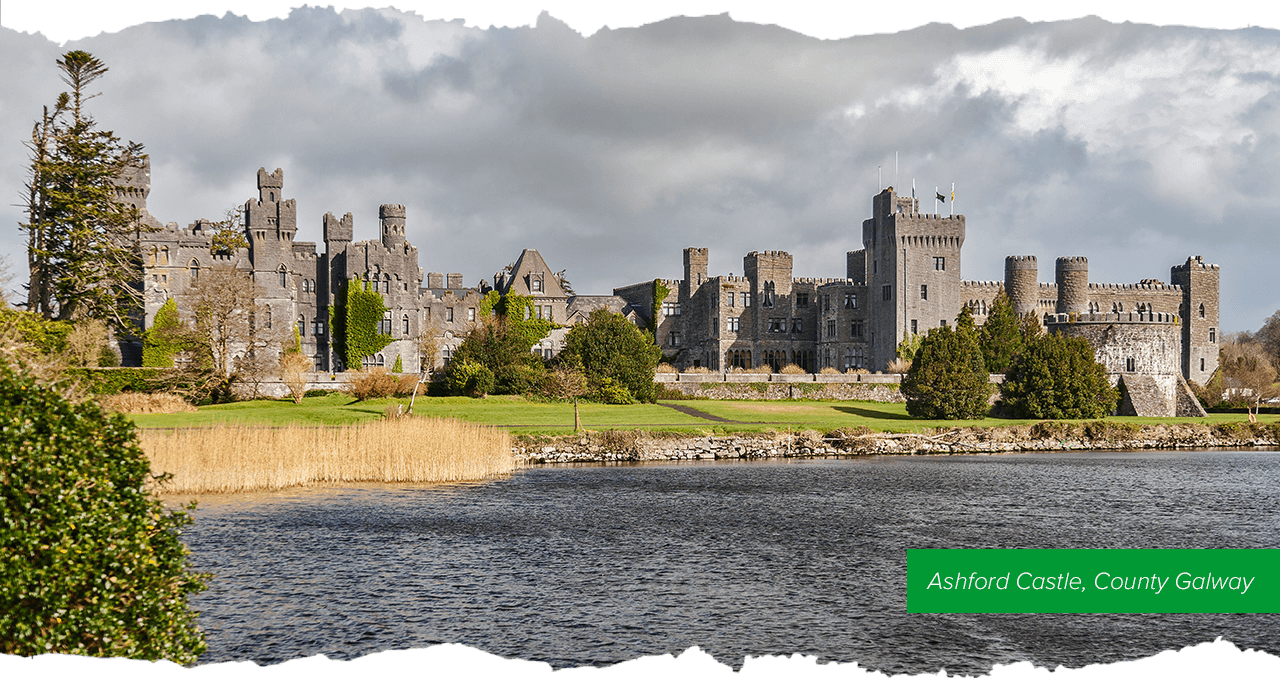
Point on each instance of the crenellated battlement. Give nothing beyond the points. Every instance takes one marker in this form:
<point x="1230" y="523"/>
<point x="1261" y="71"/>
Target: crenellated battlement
<point x="982" y="285"/>
<point x="1197" y="262"/>
<point x="1100" y="318"/>
<point x="1134" y="287"/>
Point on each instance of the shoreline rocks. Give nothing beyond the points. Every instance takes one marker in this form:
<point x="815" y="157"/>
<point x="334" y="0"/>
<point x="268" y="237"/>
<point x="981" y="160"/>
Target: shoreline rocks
<point x="1047" y="436"/>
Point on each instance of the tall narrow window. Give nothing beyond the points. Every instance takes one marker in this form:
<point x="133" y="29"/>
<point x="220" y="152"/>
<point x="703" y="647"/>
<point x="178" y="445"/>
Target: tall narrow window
<point x="471" y="314"/>
<point x="284" y="276"/>
<point x="404" y="324"/>
<point x="746" y="302"/>
<point x="939" y="263"/>
<point x="1201" y="308"/>
<point x="302" y="326"/>
<point x="194" y="270"/>
<point x="1213" y="335"/>
<point x="448" y="314"/>
<point x="729" y="299"/>
<point x="924" y="292"/>
<point x="886" y="293"/>
<point x="913" y="327"/>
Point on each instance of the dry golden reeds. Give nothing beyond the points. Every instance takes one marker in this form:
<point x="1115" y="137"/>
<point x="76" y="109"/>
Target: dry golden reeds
<point x="246" y="458"/>
<point x="145" y="403"/>
<point x="792" y="368"/>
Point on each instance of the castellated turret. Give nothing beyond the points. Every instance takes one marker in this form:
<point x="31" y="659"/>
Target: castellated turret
<point x="1072" y="276"/>
<point x="695" y="268"/>
<point x="338" y="231"/>
<point x="270" y="185"/>
<point x="392" y="217"/>
<point x="1021" y="283"/>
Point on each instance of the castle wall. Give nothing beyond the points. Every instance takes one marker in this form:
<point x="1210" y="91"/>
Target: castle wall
<point x="905" y="279"/>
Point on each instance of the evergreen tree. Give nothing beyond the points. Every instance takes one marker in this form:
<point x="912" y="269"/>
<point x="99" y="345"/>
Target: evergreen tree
<point x="1001" y="335"/>
<point x="81" y="241"/>
<point x="947" y="379"/>
<point x="165" y="338"/>
<point x="1057" y="377"/>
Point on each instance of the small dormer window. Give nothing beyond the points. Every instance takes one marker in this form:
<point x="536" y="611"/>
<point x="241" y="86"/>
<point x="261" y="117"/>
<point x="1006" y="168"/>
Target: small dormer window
<point x="535" y="285"/>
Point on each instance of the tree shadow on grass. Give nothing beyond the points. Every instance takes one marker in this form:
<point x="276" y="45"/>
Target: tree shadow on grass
<point x="872" y="414"/>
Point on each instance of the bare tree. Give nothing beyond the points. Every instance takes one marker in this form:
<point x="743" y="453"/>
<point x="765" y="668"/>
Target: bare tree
<point x="567" y="382"/>
<point x="226" y="323"/>
<point x="294" y="367"/>
<point x="1247" y="369"/>
<point x="430" y="342"/>
<point x="86" y="341"/>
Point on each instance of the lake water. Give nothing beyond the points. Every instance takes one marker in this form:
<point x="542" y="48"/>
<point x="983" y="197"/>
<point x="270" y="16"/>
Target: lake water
<point x="593" y="565"/>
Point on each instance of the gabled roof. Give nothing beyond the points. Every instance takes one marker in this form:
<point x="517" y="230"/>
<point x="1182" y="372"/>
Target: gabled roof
<point x="528" y="267"/>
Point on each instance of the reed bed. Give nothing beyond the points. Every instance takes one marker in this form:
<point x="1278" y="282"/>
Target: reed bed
<point x="145" y="403"/>
<point x="233" y="458"/>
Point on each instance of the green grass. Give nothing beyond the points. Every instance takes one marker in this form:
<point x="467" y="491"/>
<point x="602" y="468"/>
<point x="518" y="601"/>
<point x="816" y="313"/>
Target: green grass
<point x="524" y="417"/>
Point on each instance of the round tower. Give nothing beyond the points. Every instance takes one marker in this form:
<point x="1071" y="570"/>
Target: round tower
<point x="392" y="217"/>
<point x="1073" y="284"/>
<point x="1022" y="284"/>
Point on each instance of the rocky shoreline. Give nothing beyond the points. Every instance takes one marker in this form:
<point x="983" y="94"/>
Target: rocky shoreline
<point x="632" y="446"/>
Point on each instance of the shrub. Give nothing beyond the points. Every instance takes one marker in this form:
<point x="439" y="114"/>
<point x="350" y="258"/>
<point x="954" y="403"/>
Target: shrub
<point x="469" y="379"/>
<point x="828" y="370"/>
<point x="376" y="383"/>
<point x="92" y="563"/>
<point x="613" y="393"/>
<point x="697" y="370"/>
<point x="792" y="368"/>
<point x="666" y="368"/>
<point x="294" y="370"/>
<point x="898" y="366"/>
<point x="399" y="366"/>
<point x="316" y="393"/>
<point x="1056" y="377"/>
<point x="164" y="340"/>
<point x="947" y="379"/>
<point x="405" y="385"/>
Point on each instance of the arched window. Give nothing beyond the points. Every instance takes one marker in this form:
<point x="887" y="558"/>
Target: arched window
<point x="284" y="276"/>
<point x="302" y="326"/>
<point x="1201" y="310"/>
<point x="404" y="320"/>
<point x="194" y="269"/>
<point x="267" y="320"/>
<point x="382" y="362"/>
<point x="386" y="284"/>
<point x="164" y="256"/>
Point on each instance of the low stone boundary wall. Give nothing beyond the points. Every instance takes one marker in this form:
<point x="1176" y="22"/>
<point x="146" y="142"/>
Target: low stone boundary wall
<point x="762" y="390"/>
<point x="637" y="446"/>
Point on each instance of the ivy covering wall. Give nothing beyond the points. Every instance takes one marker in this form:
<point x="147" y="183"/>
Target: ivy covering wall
<point x="660" y="292"/>
<point x="163" y="340"/>
<point x="355" y="323"/>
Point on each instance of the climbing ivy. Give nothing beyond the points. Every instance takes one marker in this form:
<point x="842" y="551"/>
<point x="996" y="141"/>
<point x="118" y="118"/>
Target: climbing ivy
<point x="660" y="292"/>
<point x="355" y="323"/>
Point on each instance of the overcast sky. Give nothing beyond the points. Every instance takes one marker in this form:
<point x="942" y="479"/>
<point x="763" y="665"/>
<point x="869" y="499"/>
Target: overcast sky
<point x="612" y="149"/>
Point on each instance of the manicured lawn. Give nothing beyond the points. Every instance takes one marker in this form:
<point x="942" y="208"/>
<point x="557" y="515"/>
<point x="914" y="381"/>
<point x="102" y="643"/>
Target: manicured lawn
<point x="524" y="417"/>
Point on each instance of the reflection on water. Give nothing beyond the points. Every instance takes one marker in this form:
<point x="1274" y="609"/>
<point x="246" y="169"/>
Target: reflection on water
<point x="594" y="565"/>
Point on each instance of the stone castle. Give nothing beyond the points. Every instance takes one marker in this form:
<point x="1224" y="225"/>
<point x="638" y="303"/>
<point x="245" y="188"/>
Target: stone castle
<point x="905" y="280"/>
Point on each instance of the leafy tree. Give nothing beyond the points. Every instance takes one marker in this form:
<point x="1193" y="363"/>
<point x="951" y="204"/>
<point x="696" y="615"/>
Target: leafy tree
<point x="81" y="241"/>
<point x="907" y="348"/>
<point x="165" y="338"/>
<point x="608" y="346"/>
<point x="1057" y="377"/>
<point x="399" y="366"/>
<point x="228" y="234"/>
<point x="90" y="561"/>
<point x="947" y="379"/>
<point x="1001" y="335"/>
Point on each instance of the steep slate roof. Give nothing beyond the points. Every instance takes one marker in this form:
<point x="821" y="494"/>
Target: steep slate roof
<point x="529" y="266"/>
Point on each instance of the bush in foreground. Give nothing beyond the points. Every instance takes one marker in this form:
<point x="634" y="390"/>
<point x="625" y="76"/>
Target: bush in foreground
<point x="90" y="562"/>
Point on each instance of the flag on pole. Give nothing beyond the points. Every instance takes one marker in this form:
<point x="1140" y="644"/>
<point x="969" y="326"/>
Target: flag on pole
<point x="941" y="197"/>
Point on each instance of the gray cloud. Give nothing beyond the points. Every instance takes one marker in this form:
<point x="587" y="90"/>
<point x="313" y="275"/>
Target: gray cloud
<point x="1133" y="145"/>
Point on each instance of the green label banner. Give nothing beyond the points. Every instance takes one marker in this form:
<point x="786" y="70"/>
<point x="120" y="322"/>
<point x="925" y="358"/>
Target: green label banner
<point x="1093" y="580"/>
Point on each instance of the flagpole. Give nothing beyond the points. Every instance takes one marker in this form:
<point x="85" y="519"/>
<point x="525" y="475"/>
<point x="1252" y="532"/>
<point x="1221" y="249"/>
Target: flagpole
<point x="879" y="180"/>
<point x="935" y="200"/>
<point x="953" y="198"/>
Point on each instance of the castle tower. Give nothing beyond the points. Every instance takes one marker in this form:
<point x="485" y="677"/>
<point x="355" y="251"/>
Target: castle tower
<point x="913" y="272"/>
<point x="1021" y="283"/>
<point x="695" y="269"/>
<point x="270" y="186"/>
<point x="1072" y="276"/>
<point x="392" y="217"/>
<point x="1199" y="311"/>
<point x="337" y="233"/>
